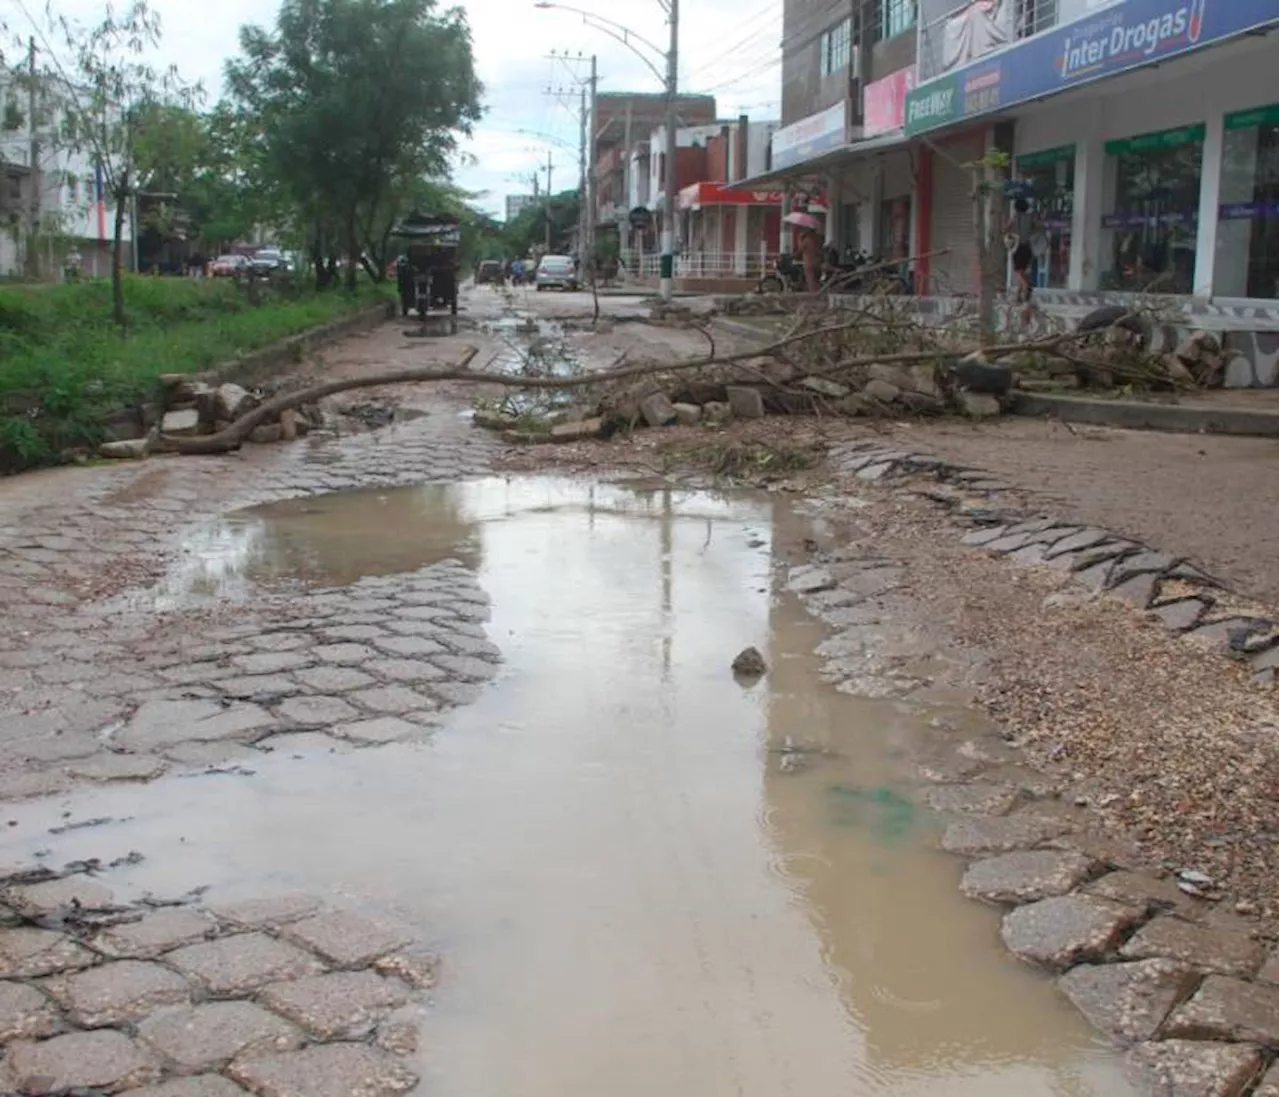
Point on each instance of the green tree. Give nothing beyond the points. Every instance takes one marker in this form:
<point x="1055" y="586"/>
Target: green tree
<point x="350" y="99"/>
<point x="103" y="95"/>
<point x="527" y="231"/>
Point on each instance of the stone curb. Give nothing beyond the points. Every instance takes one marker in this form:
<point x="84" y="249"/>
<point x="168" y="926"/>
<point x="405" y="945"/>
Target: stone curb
<point x="97" y="997"/>
<point x="1167" y="588"/>
<point x="1186" y="991"/>
<point x="249" y="369"/>
<point x="1134" y="415"/>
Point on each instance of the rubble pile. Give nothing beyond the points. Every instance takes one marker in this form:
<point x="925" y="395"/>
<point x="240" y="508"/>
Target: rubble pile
<point x="191" y="407"/>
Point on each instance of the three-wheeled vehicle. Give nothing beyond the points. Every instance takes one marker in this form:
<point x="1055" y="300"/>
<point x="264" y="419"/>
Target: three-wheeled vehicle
<point x="427" y="271"/>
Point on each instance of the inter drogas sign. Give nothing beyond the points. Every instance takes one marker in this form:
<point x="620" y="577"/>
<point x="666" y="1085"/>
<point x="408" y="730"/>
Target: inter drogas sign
<point x="1125" y="36"/>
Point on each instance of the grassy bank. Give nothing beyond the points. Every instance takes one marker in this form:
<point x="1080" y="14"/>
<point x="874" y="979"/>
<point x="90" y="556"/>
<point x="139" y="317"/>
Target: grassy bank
<point x="65" y="369"/>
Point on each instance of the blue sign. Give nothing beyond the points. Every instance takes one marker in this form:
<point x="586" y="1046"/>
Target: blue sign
<point x="1124" y="37"/>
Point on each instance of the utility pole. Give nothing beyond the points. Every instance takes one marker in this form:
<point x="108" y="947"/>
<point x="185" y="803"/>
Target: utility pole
<point x="666" y="281"/>
<point x="37" y="181"/>
<point x="592" y="134"/>
<point x="583" y="215"/>
<point x="548" y="201"/>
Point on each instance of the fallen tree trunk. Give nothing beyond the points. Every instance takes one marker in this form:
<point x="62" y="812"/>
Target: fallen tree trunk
<point x="233" y="436"/>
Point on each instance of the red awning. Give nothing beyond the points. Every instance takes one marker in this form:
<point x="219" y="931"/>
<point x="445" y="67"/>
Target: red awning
<point x="716" y="194"/>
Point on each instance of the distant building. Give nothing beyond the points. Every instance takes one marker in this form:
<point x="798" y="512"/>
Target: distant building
<point x="518" y="202"/>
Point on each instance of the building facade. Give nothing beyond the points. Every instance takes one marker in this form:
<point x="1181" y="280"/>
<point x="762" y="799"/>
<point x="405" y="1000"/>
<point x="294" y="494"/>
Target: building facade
<point x="517" y="202"/>
<point x="1143" y="133"/>
<point x="62" y="197"/>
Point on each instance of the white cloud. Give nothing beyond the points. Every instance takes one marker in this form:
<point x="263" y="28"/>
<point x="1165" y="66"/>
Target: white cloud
<point x="728" y="48"/>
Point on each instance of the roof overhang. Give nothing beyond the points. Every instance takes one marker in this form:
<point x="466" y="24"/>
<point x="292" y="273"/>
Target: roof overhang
<point x="821" y="165"/>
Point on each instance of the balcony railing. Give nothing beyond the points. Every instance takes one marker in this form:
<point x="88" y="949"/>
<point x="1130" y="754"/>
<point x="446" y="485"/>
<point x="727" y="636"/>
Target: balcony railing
<point x="967" y="32"/>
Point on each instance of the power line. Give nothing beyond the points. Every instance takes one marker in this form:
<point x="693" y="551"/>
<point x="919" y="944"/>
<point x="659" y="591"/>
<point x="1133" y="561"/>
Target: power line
<point x="751" y="39"/>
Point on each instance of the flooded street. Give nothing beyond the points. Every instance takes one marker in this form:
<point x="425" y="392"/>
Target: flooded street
<point x="644" y="877"/>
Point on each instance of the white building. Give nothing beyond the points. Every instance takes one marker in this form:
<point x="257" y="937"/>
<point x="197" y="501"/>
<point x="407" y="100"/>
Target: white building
<point x="75" y="215"/>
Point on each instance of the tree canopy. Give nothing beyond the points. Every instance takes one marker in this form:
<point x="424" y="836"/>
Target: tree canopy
<point x="351" y="104"/>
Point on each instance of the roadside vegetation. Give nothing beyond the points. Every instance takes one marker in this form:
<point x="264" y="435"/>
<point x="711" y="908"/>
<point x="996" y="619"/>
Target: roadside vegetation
<point x="66" y="370"/>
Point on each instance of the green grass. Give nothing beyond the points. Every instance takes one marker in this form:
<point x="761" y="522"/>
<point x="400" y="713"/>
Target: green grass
<point x="65" y="368"/>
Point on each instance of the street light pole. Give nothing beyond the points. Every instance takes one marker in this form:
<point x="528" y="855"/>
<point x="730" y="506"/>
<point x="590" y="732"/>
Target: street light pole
<point x="666" y="278"/>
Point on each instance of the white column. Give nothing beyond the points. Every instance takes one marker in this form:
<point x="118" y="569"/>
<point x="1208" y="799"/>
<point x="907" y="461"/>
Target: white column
<point x="742" y="217"/>
<point x="1088" y="202"/>
<point x="1210" y="190"/>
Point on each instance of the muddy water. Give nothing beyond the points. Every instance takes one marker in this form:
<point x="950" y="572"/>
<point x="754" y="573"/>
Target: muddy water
<point x="645" y="879"/>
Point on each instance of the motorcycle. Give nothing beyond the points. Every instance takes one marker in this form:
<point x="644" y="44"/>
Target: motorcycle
<point x="840" y="274"/>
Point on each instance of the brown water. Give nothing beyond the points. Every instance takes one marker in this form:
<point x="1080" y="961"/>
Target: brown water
<point x="645" y="879"/>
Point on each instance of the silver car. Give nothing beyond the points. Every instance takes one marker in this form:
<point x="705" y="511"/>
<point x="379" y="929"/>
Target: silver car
<point x="556" y="272"/>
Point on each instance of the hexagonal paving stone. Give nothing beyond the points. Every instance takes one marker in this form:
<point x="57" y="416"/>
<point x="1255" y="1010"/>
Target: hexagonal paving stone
<point x="409" y="645"/>
<point x="117" y="767"/>
<point x="199" y="1085"/>
<point x="1270" y="1084"/>
<point x="271" y="662"/>
<point x="163" y="723"/>
<point x="207" y="1037"/>
<point x="332" y="1070"/>
<point x="1025" y="876"/>
<point x="115" y="992"/>
<point x="240" y="964"/>
<point x="1193" y="1068"/>
<point x="1210" y="948"/>
<point x="26" y="952"/>
<point x="344" y="1005"/>
<point x="315" y="711"/>
<point x="344" y="654"/>
<point x="972" y="799"/>
<point x="105" y="1060"/>
<point x="392" y="700"/>
<point x="348" y="939"/>
<point x="25" y="1013"/>
<point x="334" y="679"/>
<point x="405" y="670"/>
<point x="1227" y="1009"/>
<point x="1127" y="1001"/>
<point x="156" y="933"/>
<point x="384" y="729"/>
<point x="1065" y="930"/>
<point x="969" y="837"/>
<point x="54" y="896"/>
<point x="265" y="912"/>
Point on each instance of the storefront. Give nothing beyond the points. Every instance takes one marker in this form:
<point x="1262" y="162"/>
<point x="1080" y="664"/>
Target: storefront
<point x="1245" y="257"/>
<point x="1050" y="175"/>
<point x="727" y="232"/>
<point x="1151" y="168"/>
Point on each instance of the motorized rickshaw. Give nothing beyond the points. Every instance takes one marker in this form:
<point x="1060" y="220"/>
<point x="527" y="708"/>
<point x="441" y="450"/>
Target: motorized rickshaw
<point x="427" y="271"/>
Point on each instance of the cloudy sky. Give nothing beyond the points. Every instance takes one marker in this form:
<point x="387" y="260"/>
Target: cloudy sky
<point x="728" y="48"/>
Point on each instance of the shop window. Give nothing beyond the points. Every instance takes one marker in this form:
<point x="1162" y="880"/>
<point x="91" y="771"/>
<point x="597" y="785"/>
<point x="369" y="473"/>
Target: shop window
<point x="1150" y="233"/>
<point x="1051" y="175"/>
<point x="1245" y="259"/>
<point x="834" y="48"/>
<point x="1033" y="16"/>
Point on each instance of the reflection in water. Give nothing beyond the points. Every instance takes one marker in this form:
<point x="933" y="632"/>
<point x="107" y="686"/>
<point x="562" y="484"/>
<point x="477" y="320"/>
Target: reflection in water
<point x="633" y="894"/>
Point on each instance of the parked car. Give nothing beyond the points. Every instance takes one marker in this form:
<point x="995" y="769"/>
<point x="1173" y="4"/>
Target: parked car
<point x="230" y="266"/>
<point x="268" y="261"/>
<point x="556" y="272"/>
<point x="490" y="270"/>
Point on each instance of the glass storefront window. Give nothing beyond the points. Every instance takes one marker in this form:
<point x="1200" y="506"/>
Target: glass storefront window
<point x="1051" y="175"/>
<point x="1155" y="183"/>
<point x="1244" y="263"/>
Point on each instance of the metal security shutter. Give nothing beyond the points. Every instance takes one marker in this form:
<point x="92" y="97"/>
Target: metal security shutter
<point x="951" y="225"/>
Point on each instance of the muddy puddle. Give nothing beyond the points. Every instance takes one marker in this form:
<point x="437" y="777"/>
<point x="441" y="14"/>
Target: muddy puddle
<point x="644" y="878"/>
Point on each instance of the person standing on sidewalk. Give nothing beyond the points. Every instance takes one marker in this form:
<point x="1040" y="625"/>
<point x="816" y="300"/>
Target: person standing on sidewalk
<point x="1020" y="229"/>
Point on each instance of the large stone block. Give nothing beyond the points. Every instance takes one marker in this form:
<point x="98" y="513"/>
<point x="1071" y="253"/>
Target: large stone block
<point x="1065" y="930"/>
<point x="1128" y="1002"/>
<point x="1227" y="1009"/>
<point x="208" y="1036"/>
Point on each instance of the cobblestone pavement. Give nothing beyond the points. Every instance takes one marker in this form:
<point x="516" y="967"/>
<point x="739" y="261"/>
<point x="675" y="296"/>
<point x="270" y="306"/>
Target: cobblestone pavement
<point x="278" y="996"/>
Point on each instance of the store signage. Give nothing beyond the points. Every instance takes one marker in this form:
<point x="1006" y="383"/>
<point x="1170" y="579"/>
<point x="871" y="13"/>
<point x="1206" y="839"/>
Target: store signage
<point x="1045" y="157"/>
<point x="717" y="194"/>
<point x="884" y="102"/>
<point x="810" y="137"/>
<point x="1161" y="139"/>
<point x="1118" y="39"/>
<point x="1247" y="119"/>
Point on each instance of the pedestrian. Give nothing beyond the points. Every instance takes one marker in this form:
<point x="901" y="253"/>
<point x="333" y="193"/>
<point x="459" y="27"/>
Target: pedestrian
<point x="1020" y="229"/>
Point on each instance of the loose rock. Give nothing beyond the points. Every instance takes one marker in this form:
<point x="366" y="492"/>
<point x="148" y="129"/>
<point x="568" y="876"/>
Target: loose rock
<point x="749" y="663"/>
<point x="1210" y="948"/>
<point x="1127" y="1001"/>
<point x="1185" y="1068"/>
<point x="1025" y="876"/>
<point x="1064" y="930"/>
<point x="744" y="402"/>
<point x="657" y="410"/>
<point x="1227" y="1009"/>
